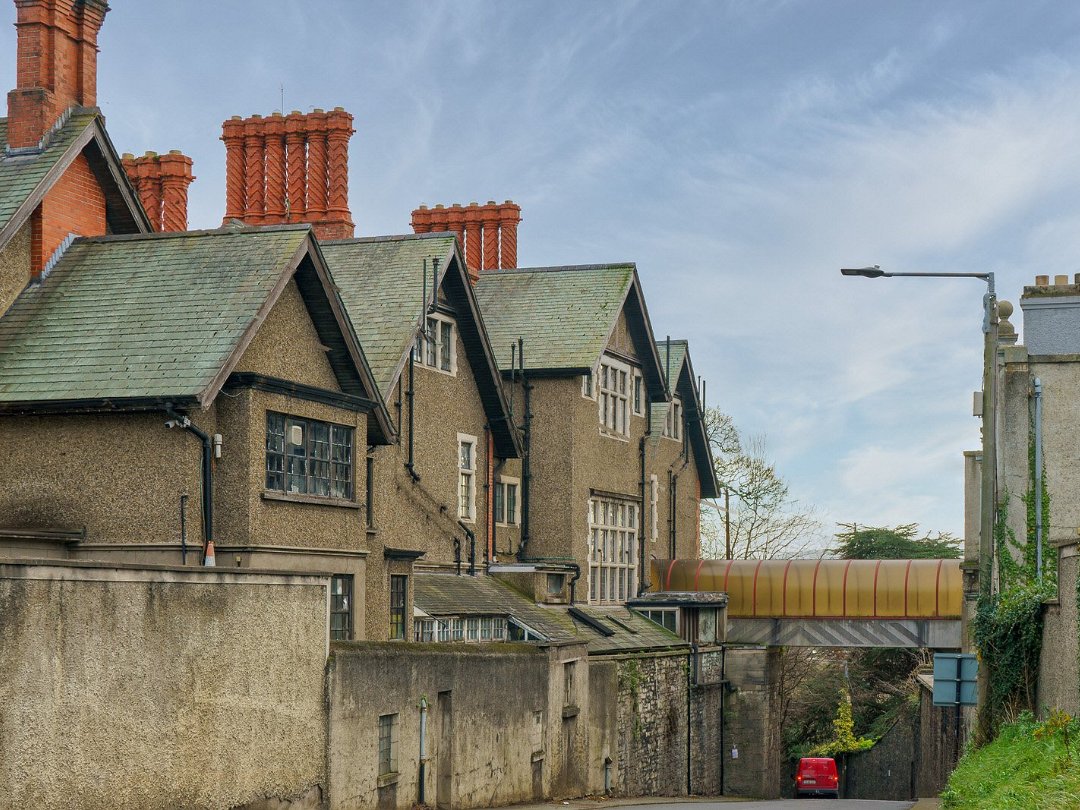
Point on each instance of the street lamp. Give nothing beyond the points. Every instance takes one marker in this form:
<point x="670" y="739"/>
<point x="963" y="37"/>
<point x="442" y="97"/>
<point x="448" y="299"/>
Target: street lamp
<point x="989" y="410"/>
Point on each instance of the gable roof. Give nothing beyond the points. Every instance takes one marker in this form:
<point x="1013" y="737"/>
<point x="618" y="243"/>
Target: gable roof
<point x="27" y="174"/>
<point x="565" y="316"/>
<point x="382" y="281"/>
<point x="675" y="357"/>
<point x="135" y="321"/>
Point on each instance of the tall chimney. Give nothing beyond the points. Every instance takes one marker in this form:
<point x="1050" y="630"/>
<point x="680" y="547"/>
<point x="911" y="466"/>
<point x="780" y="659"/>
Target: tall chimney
<point x="487" y="233"/>
<point x="290" y="169"/>
<point x="57" y="64"/>
<point x="161" y="182"/>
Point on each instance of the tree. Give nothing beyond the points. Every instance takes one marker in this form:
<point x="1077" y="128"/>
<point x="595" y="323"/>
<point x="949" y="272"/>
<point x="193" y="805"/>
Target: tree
<point x="755" y="515"/>
<point x="897" y="543"/>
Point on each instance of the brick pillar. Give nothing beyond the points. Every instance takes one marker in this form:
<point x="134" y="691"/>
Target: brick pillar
<point x="509" y="217"/>
<point x="421" y="220"/>
<point x="232" y="133"/>
<point x="316" y="185"/>
<point x="455" y="221"/>
<point x="56" y="64"/>
<point x="176" y="176"/>
<point x="254" y="170"/>
<point x="296" y="164"/>
<point x="489" y="215"/>
<point x="274" y="139"/>
<point x="438" y="219"/>
<point x="339" y="129"/>
<point x="473" y="253"/>
<point x="149" y="186"/>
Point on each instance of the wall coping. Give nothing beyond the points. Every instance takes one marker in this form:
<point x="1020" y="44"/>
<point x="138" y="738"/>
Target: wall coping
<point x="95" y="570"/>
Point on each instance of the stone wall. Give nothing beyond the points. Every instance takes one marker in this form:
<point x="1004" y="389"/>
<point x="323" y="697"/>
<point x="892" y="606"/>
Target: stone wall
<point x="1059" y="680"/>
<point x="888" y="770"/>
<point x="505" y="723"/>
<point x="143" y="688"/>
<point x="937" y="745"/>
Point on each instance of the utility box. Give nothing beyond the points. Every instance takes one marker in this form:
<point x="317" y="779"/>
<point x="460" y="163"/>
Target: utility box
<point x="955" y="676"/>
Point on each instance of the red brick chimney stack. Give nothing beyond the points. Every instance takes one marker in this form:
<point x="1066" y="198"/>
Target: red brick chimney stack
<point x="161" y="182"/>
<point x="488" y="233"/>
<point x="57" y="64"/>
<point x="292" y="168"/>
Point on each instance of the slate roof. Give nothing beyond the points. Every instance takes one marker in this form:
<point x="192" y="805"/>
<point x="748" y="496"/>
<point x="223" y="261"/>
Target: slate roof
<point x="677" y="350"/>
<point x="564" y="314"/>
<point x="26" y="175"/>
<point x="382" y="284"/>
<point x="681" y="380"/>
<point x="450" y="595"/>
<point x="140" y="317"/>
<point x="20" y="174"/>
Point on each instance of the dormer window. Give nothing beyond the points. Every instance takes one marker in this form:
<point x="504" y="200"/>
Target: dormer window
<point x="436" y="348"/>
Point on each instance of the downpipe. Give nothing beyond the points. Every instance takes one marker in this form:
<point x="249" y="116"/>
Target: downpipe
<point x="183" y="422"/>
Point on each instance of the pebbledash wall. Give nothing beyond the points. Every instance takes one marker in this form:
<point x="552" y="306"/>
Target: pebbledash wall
<point x="135" y="687"/>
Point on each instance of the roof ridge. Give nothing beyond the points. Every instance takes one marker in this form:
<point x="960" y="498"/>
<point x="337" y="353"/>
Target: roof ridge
<point x="222" y="231"/>
<point x="560" y="268"/>
<point x="388" y="238"/>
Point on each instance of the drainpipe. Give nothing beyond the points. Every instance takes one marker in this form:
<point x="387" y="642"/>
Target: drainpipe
<point x="526" y="466"/>
<point x="691" y="663"/>
<point x="643" y="577"/>
<point x="183" y="529"/>
<point x="723" y="706"/>
<point x="457" y="555"/>
<point x="409" y="395"/>
<point x="472" y="548"/>
<point x="1038" y="480"/>
<point x="573" y="581"/>
<point x="180" y="421"/>
<point x="423" y="748"/>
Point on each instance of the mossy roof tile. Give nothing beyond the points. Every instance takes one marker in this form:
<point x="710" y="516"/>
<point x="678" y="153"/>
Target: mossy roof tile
<point x="564" y="314"/>
<point x="143" y="317"/>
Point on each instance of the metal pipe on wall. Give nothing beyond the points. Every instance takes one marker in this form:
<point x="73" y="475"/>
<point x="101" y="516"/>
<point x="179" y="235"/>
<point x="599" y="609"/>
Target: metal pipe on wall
<point x="1038" y="480"/>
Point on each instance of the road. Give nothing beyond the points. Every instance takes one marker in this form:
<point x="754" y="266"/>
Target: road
<point x="720" y="804"/>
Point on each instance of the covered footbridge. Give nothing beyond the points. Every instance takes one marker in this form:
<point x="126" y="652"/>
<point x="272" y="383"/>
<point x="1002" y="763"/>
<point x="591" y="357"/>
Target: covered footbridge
<point x="828" y="603"/>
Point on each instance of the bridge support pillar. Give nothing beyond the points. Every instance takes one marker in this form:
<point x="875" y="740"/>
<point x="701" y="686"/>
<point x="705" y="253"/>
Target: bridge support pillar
<point x="752" y="744"/>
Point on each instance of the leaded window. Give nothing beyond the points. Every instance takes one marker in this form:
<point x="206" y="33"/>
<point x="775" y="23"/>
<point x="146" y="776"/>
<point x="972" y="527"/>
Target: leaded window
<point x="341" y="587"/>
<point x="613" y="400"/>
<point x="613" y="539"/>
<point x="308" y="457"/>
<point x="399" y="589"/>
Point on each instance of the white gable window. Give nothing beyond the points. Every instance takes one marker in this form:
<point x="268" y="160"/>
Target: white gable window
<point x="639" y="394"/>
<point x="436" y="348"/>
<point x="614" y="381"/>
<point x="673" y="427"/>
<point x="613" y="544"/>
<point x="466" y="477"/>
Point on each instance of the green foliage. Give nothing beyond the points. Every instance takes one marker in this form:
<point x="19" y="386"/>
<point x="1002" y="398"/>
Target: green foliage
<point x="894" y="543"/>
<point x="844" y="740"/>
<point x="1029" y="765"/>
<point x="1008" y="633"/>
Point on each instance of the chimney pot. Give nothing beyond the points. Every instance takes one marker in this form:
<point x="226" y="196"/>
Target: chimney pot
<point x="1042" y="281"/>
<point x="1076" y="278"/>
<point x="1061" y="280"/>
<point x="127" y="156"/>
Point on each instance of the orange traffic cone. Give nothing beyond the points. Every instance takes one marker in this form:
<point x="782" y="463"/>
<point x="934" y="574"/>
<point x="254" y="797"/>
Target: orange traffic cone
<point x="208" y="559"/>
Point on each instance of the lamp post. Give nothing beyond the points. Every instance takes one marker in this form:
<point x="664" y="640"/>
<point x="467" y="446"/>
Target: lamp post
<point x="989" y="410"/>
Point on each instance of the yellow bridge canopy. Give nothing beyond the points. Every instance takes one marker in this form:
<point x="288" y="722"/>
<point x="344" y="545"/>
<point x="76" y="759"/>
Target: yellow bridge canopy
<point x="822" y="589"/>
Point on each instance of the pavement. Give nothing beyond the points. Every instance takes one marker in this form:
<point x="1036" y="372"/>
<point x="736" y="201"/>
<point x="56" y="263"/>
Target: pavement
<point x="596" y="802"/>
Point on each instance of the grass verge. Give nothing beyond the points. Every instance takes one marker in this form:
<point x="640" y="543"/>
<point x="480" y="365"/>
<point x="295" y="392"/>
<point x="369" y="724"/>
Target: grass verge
<point x="1029" y="766"/>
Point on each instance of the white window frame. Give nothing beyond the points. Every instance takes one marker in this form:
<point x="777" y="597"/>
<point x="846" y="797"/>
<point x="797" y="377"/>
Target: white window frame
<point x="467" y="478"/>
<point x="614" y="534"/>
<point x="588" y="385"/>
<point x="614" y="400"/>
<point x="502" y="484"/>
<point x="431" y="350"/>
<point x="673" y="425"/>
<point x="638" y="399"/>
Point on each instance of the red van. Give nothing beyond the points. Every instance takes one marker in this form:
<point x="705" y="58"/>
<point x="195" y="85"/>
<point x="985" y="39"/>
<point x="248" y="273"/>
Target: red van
<point x="816" y="776"/>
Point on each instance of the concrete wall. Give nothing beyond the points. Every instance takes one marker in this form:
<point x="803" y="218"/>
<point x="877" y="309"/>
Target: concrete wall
<point x="499" y="726"/>
<point x="1059" y="679"/>
<point x="142" y="688"/>
<point x="937" y="745"/>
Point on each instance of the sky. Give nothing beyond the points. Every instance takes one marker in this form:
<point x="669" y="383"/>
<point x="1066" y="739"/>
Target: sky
<point x="739" y="152"/>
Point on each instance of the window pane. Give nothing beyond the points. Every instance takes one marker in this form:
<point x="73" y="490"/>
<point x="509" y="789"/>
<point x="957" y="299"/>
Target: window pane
<point x="398" y="593"/>
<point x="431" y="340"/>
<point x="511" y="503"/>
<point x="446" y="345"/>
<point x="499" y="493"/>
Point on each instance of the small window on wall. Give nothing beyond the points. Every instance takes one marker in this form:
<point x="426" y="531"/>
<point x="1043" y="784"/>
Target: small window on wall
<point x="399" y="590"/>
<point x="341" y="607"/>
<point x="587" y="386"/>
<point x="466" y="477"/>
<point x="613" y="399"/>
<point x="506" y="502"/>
<point x="308" y="457"/>
<point x="435" y="347"/>
<point x="673" y="428"/>
<point x="388" y="734"/>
